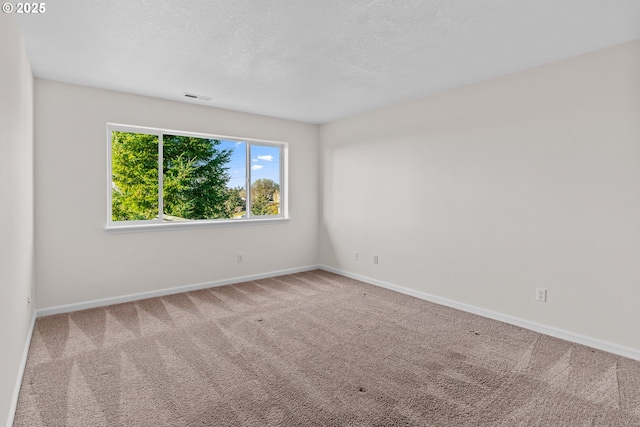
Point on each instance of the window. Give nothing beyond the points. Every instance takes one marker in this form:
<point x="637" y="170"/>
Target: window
<point x="160" y="177"/>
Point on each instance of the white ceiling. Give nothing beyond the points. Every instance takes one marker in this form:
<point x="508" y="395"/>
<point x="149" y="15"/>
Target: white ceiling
<point x="312" y="60"/>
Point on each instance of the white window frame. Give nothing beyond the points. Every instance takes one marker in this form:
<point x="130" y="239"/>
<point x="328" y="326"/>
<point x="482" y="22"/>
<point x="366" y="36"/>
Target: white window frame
<point x="158" y="223"/>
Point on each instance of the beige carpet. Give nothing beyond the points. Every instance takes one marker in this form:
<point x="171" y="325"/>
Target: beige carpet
<point x="313" y="349"/>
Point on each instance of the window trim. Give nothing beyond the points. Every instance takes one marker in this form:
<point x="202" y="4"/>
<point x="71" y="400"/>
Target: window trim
<point x="157" y="223"/>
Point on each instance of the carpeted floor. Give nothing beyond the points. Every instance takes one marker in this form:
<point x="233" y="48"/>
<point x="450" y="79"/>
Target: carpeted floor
<point x="313" y="349"/>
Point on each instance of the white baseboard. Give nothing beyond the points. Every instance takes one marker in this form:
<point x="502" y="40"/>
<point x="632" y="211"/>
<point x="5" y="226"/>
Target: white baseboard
<point x="621" y="350"/>
<point x="23" y="365"/>
<point x="164" y="292"/>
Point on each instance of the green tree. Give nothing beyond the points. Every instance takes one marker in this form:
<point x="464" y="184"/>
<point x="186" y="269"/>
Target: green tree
<point x="265" y="197"/>
<point x="134" y="171"/>
<point x="194" y="177"/>
<point x="236" y="204"/>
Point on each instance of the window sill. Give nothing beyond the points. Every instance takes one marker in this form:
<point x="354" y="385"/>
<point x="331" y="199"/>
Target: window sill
<point x="141" y="228"/>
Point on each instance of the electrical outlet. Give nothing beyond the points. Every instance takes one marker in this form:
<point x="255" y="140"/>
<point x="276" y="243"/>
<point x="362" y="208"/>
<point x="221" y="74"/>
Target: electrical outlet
<point x="541" y="294"/>
<point x="240" y="258"/>
<point x="355" y="256"/>
<point x="375" y="259"/>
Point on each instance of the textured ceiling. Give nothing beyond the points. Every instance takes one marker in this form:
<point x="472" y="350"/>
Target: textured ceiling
<point x="312" y="60"/>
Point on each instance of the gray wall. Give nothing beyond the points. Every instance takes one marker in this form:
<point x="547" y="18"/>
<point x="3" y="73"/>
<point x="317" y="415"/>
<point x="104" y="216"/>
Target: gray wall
<point x="78" y="261"/>
<point x="16" y="206"/>
<point x="479" y="195"/>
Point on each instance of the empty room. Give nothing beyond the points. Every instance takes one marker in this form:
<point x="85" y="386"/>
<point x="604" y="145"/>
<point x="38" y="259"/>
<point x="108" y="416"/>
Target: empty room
<point x="306" y="213"/>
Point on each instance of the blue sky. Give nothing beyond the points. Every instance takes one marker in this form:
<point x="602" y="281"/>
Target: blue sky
<point x="265" y="162"/>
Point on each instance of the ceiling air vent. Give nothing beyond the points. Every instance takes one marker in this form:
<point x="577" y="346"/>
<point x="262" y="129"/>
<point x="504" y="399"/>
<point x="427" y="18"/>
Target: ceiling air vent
<point x="194" y="96"/>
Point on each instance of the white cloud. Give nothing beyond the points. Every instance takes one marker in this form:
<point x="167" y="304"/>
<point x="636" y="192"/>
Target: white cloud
<point x="267" y="158"/>
<point x="256" y="167"/>
<point x="255" y="160"/>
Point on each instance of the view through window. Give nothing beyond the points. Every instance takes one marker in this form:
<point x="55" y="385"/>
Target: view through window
<point x="164" y="177"/>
